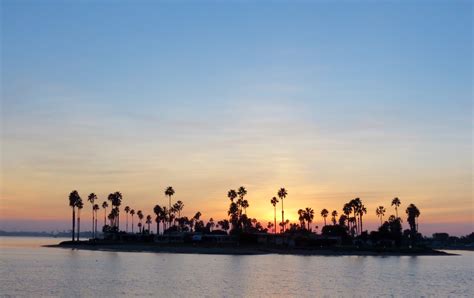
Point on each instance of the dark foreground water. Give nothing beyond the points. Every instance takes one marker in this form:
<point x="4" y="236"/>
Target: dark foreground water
<point x="26" y="269"/>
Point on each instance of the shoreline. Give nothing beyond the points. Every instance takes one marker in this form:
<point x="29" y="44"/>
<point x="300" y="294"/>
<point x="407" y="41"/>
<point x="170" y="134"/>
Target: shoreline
<point x="243" y="250"/>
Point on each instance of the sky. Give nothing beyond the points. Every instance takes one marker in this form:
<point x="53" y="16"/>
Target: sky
<point x="331" y="100"/>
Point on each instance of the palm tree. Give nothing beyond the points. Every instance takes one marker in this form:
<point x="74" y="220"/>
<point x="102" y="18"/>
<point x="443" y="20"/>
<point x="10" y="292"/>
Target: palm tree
<point x="334" y="215"/>
<point x="241" y="192"/>
<point x="73" y="199"/>
<point x="413" y="213"/>
<point x="132" y="213"/>
<point x="356" y="204"/>
<point x="396" y="202"/>
<point x="270" y="226"/>
<point x="245" y="205"/>
<point x="159" y="212"/>
<point x="92" y="197"/>
<point x="274" y="202"/>
<point x="301" y="217"/>
<point x="347" y="210"/>
<point x="380" y="212"/>
<point x="324" y="214"/>
<point x="79" y="206"/>
<point x="95" y="208"/>
<point x="148" y="222"/>
<point x="169" y="191"/>
<point x="309" y="215"/>
<point x="127" y="210"/>
<point x="105" y="205"/>
<point x="282" y="193"/>
<point x="361" y="211"/>
<point x="232" y="194"/>
<point x="178" y="206"/>
<point x="140" y="217"/>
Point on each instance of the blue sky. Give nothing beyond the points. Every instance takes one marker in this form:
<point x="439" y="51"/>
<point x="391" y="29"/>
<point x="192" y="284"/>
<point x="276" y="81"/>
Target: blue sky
<point x="337" y="99"/>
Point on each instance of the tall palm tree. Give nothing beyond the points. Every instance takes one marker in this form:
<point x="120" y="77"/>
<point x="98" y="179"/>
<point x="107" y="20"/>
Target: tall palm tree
<point x="380" y="212"/>
<point x="356" y="205"/>
<point x="127" y="210"/>
<point x="245" y="205"/>
<point x="178" y="206"/>
<point x="274" y="202"/>
<point x="282" y="193"/>
<point x="324" y="214"/>
<point x="140" y="217"/>
<point x="158" y="211"/>
<point x="169" y="191"/>
<point x="309" y="215"/>
<point x="334" y="215"/>
<point x="105" y="205"/>
<point x="132" y="213"/>
<point x="301" y="218"/>
<point x="241" y="192"/>
<point x="79" y="206"/>
<point x="91" y="198"/>
<point x="148" y="222"/>
<point x="95" y="208"/>
<point x="361" y="211"/>
<point x="396" y="202"/>
<point x="74" y="197"/>
<point x="347" y="210"/>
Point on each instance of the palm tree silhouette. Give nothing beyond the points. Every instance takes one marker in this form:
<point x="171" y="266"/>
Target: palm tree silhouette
<point x="396" y="202"/>
<point x="73" y="199"/>
<point x="95" y="209"/>
<point x="274" y="202"/>
<point x="380" y="212"/>
<point x="241" y="192"/>
<point x="132" y="213"/>
<point x="282" y="193"/>
<point x="159" y="216"/>
<point x="413" y="213"/>
<point x="301" y="218"/>
<point x="105" y="205"/>
<point x="127" y="210"/>
<point x="232" y="194"/>
<point x="92" y="197"/>
<point x="79" y="206"/>
<point x="148" y="222"/>
<point x="245" y="205"/>
<point x="309" y="215"/>
<point x="347" y="210"/>
<point x="270" y="226"/>
<point x="324" y="214"/>
<point x="361" y="211"/>
<point x="140" y="217"/>
<point x="333" y="219"/>
<point x="169" y="191"/>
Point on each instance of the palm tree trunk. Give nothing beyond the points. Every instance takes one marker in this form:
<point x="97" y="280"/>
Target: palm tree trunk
<point x="95" y="229"/>
<point x="396" y="211"/>
<point x="78" y="224"/>
<point x="361" y="230"/>
<point x="127" y="224"/>
<point x="275" y="219"/>
<point x="282" y="216"/>
<point x="132" y="224"/>
<point x="92" y="221"/>
<point x="73" y="222"/>
<point x="324" y="221"/>
<point x="157" y="227"/>
<point x="105" y="216"/>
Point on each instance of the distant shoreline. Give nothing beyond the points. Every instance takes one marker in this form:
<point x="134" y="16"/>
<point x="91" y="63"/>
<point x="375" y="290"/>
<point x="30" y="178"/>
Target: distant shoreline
<point x="244" y="250"/>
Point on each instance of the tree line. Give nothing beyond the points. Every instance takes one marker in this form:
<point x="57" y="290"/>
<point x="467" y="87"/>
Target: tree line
<point x="349" y="222"/>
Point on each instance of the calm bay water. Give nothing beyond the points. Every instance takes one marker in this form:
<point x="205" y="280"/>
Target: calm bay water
<point x="27" y="269"/>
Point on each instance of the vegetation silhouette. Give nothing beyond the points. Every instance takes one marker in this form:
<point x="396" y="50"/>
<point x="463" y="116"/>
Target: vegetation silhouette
<point x="347" y="227"/>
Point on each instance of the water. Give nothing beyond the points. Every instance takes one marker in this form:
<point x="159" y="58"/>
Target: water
<point x="26" y="269"/>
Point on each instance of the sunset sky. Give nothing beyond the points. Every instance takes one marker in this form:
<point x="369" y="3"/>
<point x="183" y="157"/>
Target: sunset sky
<point x="330" y="100"/>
